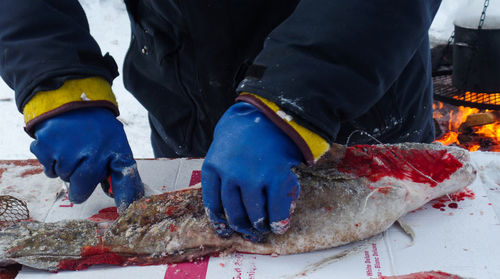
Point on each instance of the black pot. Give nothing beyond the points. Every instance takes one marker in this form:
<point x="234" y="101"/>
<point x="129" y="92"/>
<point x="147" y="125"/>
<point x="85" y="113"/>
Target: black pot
<point x="476" y="59"/>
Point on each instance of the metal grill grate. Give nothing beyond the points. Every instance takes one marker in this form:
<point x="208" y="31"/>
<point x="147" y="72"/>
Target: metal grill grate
<point x="445" y="91"/>
<point x="12" y="210"/>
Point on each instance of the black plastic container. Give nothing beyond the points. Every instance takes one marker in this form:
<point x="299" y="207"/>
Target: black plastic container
<point x="476" y="59"/>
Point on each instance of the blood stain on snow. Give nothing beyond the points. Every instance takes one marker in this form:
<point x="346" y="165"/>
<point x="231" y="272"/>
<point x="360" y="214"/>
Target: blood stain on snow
<point x="453" y="205"/>
<point x="375" y="163"/>
<point x="451" y="200"/>
<point x="106" y="214"/>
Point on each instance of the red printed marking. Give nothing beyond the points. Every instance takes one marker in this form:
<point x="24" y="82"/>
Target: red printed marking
<point x="2" y="170"/>
<point x="187" y="270"/>
<point x="424" y="275"/>
<point x="375" y="162"/>
<point x="21" y="163"/>
<point x="32" y="171"/>
<point x="106" y="214"/>
<point x="195" y="177"/>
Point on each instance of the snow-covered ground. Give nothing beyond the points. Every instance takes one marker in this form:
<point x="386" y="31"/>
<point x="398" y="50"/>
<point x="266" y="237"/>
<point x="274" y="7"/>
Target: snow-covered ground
<point x="110" y="27"/>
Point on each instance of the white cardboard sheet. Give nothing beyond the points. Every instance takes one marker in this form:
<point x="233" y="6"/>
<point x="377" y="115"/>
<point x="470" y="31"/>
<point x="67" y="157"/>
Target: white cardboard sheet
<point x="462" y="241"/>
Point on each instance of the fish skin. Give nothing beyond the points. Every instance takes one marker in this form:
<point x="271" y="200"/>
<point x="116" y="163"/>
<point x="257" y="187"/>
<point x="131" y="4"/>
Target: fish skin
<point x="334" y="208"/>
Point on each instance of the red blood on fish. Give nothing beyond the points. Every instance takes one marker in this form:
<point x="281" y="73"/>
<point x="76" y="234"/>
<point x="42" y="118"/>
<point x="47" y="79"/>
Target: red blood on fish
<point x="173" y="228"/>
<point x="171" y="210"/>
<point x="384" y="190"/>
<point x="106" y="214"/>
<point x="85" y="262"/>
<point x="10" y="271"/>
<point x="424" y="275"/>
<point x="92" y="255"/>
<point x="375" y="163"/>
<point x="94" y="250"/>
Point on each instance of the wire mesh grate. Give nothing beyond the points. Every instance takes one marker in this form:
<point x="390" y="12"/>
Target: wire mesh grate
<point x="12" y="210"/>
<point x="445" y="91"/>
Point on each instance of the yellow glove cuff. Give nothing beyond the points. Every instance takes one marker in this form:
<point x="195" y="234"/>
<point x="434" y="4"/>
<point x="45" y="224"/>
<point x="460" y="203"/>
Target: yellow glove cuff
<point x="93" y="89"/>
<point x="317" y="145"/>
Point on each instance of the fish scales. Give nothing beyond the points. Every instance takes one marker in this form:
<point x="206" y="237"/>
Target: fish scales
<point x="352" y="193"/>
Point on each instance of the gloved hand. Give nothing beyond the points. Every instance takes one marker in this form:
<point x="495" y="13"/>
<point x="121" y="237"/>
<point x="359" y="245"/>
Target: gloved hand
<point x="246" y="175"/>
<point x="84" y="147"/>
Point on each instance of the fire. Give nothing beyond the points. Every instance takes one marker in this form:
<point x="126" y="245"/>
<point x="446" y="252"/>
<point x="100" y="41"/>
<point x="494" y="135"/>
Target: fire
<point x="448" y="138"/>
<point x="469" y="128"/>
<point x="490" y="130"/>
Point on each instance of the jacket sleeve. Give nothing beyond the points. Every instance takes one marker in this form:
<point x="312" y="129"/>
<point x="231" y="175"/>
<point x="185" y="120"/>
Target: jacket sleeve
<point x="44" y="43"/>
<point x="332" y="60"/>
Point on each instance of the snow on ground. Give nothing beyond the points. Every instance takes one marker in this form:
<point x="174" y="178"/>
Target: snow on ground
<point x="110" y="27"/>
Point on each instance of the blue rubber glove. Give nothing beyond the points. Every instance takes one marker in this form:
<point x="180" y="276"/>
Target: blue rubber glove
<point x="84" y="147"/>
<point x="247" y="182"/>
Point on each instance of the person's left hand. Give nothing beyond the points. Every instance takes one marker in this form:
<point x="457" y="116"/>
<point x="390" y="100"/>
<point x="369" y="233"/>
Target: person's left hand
<point x="247" y="182"/>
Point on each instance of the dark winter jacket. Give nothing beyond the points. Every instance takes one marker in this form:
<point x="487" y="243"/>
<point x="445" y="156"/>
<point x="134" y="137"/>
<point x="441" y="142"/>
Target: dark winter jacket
<point x="335" y="65"/>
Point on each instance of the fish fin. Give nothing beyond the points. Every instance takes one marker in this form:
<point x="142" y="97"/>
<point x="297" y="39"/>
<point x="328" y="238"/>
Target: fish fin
<point x="350" y="250"/>
<point x="408" y="230"/>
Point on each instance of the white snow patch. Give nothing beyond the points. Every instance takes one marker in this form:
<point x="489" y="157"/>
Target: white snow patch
<point x="284" y="115"/>
<point x="84" y="97"/>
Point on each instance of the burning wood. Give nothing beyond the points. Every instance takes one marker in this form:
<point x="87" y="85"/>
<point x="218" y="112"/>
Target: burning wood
<point x="467" y="127"/>
<point x="477" y="119"/>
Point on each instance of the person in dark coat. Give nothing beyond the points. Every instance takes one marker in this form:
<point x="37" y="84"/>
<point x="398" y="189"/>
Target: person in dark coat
<point x="304" y="74"/>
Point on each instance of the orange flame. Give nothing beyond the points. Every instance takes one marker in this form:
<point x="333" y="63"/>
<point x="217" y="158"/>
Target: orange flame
<point x="448" y="138"/>
<point x="490" y="131"/>
<point x="457" y="117"/>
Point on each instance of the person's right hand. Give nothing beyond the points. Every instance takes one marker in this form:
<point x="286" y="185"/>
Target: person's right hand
<point x="84" y="147"/>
